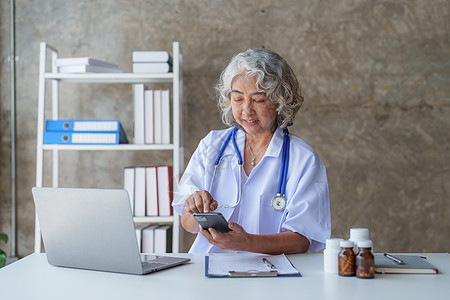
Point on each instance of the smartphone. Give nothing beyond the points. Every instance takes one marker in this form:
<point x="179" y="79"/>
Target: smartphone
<point x="212" y="220"/>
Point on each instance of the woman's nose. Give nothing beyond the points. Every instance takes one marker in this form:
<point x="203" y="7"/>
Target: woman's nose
<point x="248" y="107"/>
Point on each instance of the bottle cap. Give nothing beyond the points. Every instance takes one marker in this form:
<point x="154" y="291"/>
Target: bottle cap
<point x="357" y="234"/>
<point x="333" y="243"/>
<point x="365" y="244"/>
<point x="346" y="244"/>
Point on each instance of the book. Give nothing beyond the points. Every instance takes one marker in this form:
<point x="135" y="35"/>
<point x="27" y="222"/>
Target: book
<point x="164" y="175"/>
<point x="163" y="239"/>
<point x="87" y="126"/>
<point x="148" y="116"/>
<point x="148" y="239"/>
<point x="83" y="138"/>
<point x="81" y="125"/>
<point x="88" y="69"/>
<point x="138" y="111"/>
<point x="152" y="67"/>
<point x="157" y="117"/>
<point x="165" y="117"/>
<point x="151" y="56"/>
<point x="152" y="191"/>
<point x="138" y="229"/>
<point x="128" y="185"/>
<point x="139" y="192"/>
<point x="70" y="61"/>
<point x="411" y="264"/>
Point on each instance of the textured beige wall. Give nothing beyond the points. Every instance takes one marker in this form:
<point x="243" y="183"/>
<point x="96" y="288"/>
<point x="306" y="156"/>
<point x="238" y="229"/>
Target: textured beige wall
<point x="375" y="74"/>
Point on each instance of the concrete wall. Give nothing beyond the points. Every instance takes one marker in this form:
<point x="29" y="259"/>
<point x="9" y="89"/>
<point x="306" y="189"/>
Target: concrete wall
<point x="375" y="74"/>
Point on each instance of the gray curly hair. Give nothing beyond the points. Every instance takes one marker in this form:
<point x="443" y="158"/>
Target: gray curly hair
<point x="273" y="76"/>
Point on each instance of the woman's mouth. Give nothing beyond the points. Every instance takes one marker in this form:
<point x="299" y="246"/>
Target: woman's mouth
<point x="251" y="122"/>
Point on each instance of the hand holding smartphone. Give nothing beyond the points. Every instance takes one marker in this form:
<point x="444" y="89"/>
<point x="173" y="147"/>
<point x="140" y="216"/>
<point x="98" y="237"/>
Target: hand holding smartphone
<point x="212" y="220"/>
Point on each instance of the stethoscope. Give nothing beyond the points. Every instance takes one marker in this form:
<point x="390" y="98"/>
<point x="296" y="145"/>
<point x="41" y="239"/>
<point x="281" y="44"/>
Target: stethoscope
<point x="279" y="201"/>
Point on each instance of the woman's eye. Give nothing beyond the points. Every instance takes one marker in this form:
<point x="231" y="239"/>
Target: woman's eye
<point x="237" y="100"/>
<point x="260" y="100"/>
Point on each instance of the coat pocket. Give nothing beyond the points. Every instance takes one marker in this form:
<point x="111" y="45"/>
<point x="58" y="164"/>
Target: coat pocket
<point x="269" y="218"/>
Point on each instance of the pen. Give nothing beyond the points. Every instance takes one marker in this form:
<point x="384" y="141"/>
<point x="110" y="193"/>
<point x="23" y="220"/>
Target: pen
<point x="394" y="259"/>
<point x="268" y="263"/>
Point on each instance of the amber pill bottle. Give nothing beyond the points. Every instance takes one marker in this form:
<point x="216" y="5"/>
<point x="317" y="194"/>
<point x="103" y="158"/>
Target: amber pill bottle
<point x="347" y="259"/>
<point x="365" y="262"/>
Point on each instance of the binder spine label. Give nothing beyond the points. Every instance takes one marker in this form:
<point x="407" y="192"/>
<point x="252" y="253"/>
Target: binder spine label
<point x="95" y="126"/>
<point x="94" y="138"/>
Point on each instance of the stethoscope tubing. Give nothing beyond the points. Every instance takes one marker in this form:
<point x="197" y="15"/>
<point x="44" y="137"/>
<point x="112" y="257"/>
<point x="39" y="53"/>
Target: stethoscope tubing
<point x="232" y="136"/>
<point x="284" y="164"/>
<point x="236" y="149"/>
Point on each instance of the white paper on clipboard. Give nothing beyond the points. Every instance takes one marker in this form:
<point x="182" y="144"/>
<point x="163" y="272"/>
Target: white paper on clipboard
<point x="221" y="264"/>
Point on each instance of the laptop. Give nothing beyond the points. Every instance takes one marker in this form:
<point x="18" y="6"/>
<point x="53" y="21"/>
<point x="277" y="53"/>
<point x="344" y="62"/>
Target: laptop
<point x="93" y="229"/>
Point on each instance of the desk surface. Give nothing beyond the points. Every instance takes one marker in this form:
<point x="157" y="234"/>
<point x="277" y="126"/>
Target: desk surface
<point x="33" y="278"/>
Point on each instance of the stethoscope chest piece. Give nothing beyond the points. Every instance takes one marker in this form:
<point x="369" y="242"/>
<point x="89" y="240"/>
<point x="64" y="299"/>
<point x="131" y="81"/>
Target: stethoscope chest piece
<point x="278" y="202"/>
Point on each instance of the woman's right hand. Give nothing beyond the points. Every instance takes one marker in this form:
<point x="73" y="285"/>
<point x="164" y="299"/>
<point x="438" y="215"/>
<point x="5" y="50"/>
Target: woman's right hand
<point x="199" y="202"/>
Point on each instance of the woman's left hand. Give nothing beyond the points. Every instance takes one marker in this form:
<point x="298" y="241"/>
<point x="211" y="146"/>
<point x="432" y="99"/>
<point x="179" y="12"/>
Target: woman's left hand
<point x="236" y="239"/>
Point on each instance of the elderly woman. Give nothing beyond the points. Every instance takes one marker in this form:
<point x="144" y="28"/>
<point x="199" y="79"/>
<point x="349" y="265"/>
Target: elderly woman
<point x="257" y="159"/>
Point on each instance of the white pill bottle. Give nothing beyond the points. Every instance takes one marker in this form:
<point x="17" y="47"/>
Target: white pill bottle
<point x="331" y="255"/>
<point x="358" y="234"/>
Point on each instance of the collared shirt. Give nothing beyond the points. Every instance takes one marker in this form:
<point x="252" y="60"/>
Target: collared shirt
<point x="307" y="209"/>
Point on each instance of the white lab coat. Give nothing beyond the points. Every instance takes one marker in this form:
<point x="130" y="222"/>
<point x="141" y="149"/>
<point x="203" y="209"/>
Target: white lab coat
<point x="308" y="205"/>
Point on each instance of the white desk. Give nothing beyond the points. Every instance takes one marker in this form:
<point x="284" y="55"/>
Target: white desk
<point x="33" y="278"/>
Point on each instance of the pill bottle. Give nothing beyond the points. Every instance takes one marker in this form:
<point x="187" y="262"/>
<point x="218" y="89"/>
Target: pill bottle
<point x="347" y="261"/>
<point x="358" y="234"/>
<point x="331" y="256"/>
<point x="365" y="263"/>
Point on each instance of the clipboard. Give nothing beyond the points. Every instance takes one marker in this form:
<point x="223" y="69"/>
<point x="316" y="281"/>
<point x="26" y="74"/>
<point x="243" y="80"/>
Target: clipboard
<point x="242" y="265"/>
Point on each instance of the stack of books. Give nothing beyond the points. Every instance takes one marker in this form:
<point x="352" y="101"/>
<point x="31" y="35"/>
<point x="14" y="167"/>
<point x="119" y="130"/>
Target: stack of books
<point x="151" y="115"/>
<point x="84" y="132"/>
<point x="151" y="62"/>
<point x="154" y="238"/>
<point x="85" y="65"/>
<point x="149" y="189"/>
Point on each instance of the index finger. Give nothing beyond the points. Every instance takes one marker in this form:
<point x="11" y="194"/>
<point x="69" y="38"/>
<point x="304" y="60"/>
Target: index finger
<point x="207" y="200"/>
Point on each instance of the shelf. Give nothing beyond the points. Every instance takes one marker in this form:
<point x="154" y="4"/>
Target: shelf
<point x="120" y="147"/>
<point x="154" y="219"/>
<point x="111" y="77"/>
<point x="51" y="76"/>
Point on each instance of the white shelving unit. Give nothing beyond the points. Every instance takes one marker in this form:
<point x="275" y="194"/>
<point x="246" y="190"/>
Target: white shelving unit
<point x="55" y="78"/>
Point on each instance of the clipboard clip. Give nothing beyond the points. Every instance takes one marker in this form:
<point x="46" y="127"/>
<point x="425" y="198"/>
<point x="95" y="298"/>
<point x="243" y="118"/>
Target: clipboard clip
<point x="252" y="274"/>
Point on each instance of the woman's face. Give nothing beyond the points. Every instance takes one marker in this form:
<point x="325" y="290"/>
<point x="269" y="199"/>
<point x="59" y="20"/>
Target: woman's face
<point x="251" y="108"/>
